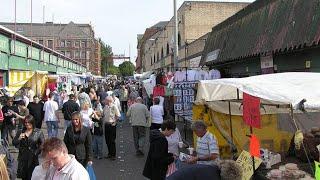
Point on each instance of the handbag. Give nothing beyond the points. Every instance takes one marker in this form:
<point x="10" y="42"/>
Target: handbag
<point x="91" y="173"/>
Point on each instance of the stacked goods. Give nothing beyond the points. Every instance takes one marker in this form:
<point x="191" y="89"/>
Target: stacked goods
<point x="289" y="171"/>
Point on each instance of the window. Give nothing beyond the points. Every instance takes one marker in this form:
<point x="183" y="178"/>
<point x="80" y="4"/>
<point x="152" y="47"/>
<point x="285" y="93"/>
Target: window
<point x="77" y="44"/>
<point x="151" y="61"/>
<point x="77" y="54"/>
<point x="179" y="39"/>
<point x="158" y="56"/>
<point x="154" y="58"/>
<point x="68" y="54"/>
<point x="83" y="55"/>
<point x="68" y="43"/>
<point x="50" y="44"/>
<point x="62" y="43"/>
<point x="41" y="42"/>
<point x="20" y="30"/>
<point x="83" y="44"/>
<point x="168" y="49"/>
<point x="161" y="53"/>
<point x="88" y="55"/>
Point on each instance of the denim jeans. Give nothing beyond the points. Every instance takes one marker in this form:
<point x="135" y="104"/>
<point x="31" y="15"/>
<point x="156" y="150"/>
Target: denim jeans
<point x="52" y="127"/>
<point x="67" y="123"/>
<point x="8" y="130"/>
<point x="97" y="144"/>
<point x="139" y="136"/>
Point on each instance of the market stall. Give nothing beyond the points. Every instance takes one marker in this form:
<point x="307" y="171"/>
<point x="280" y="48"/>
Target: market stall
<point x="35" y="80"/>
<point x="283" y="93"/>
<point x="17" y="79"/>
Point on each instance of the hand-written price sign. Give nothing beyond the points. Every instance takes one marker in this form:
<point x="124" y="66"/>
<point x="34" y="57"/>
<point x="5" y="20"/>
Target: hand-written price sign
<point x="251" y="110"/>
<point x="184" y="97"/>
<point x="245" y="162"/>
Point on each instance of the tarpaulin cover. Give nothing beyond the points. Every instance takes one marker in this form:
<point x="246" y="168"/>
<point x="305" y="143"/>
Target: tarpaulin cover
<point x="279" y="88"/>
<point x="38" y="82"/>
<point x="17" y="79"/>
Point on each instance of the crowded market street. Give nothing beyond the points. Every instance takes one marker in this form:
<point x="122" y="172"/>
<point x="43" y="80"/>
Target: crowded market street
<point x="160" y="90"/>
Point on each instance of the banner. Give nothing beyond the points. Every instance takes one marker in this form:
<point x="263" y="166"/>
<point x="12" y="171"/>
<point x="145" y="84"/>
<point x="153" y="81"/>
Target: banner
<point x="251" y="110"/>
<point x="184" y="94"/>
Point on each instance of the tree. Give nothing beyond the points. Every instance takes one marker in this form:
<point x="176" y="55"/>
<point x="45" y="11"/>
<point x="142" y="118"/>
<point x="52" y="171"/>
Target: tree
<point x="106" y="54"/>
<point x="126" y="68"/>
<point x="113" y="70"/>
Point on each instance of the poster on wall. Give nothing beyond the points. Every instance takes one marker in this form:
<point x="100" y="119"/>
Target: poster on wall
<point x="267" y="66"/>
<point x="184" y="93"/>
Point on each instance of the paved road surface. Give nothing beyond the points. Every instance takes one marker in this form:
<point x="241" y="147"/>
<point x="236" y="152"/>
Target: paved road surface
<point x="127" y="166"/>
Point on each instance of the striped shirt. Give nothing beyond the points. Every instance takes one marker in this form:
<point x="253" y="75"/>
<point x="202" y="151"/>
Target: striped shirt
<point x="207" y="145"/>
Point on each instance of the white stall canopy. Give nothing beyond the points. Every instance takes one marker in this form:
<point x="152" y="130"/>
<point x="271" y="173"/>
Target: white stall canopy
<point x="273" y="89"/>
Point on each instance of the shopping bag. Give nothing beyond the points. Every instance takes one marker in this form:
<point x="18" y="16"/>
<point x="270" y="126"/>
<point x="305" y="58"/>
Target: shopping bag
<point x="171" y="169"/>
<point x="91" y="172"/>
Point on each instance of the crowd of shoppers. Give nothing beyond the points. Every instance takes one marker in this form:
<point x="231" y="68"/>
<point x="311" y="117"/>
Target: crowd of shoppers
<point x="91" y="115"/>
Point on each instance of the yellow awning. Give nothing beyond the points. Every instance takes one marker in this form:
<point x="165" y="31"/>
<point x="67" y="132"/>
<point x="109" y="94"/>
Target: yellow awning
<point x="17" y="79"/>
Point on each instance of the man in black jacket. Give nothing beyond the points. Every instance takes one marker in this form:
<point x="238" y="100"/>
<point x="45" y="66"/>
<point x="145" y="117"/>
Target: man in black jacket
<point x="158" y="157"/>
<point x="68" y="108"/>
<point x="36" y="110"/>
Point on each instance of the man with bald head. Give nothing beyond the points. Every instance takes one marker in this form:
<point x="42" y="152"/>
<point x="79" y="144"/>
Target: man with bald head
<point x="139" y="118"/>
<point x="110" y="116"/>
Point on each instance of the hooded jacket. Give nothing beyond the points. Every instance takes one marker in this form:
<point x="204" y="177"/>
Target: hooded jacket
<point x="158" y="157"/>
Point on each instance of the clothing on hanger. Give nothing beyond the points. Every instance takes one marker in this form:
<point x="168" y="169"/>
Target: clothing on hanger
<point x="158" y="90"/>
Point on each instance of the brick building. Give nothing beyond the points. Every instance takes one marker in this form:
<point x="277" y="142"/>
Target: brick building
<point x="144" y="44"/>
<point x="76" y="41"/>
<point x="196" y="19"/>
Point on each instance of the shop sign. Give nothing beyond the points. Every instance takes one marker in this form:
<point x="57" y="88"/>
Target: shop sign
<point x="246" y="164"/>
<point x="212" y="56"/>
<point x="266" y="64"/>
<point x="184" y="94"/>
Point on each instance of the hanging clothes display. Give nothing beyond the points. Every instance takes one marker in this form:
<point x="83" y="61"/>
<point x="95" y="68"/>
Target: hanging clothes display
<point x="158" y="91"/>
<point x="179" y="76"/>
<point x="191" y="75"/>
<point x="214" y="74"/>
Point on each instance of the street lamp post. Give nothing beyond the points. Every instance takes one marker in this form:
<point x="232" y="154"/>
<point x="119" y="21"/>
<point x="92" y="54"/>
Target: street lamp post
<point x="176" y="48"/>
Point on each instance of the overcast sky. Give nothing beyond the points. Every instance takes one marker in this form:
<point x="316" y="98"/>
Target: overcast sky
<point x="116" y="22"/>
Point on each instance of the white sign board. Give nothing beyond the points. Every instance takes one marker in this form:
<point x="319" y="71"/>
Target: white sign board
<point x="212" y="56"/>
<point x="266" y="62"/>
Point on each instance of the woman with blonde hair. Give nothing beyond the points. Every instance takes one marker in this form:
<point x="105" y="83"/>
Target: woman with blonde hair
<point x="86" y="114"/>
<point x="78" y="140"/>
